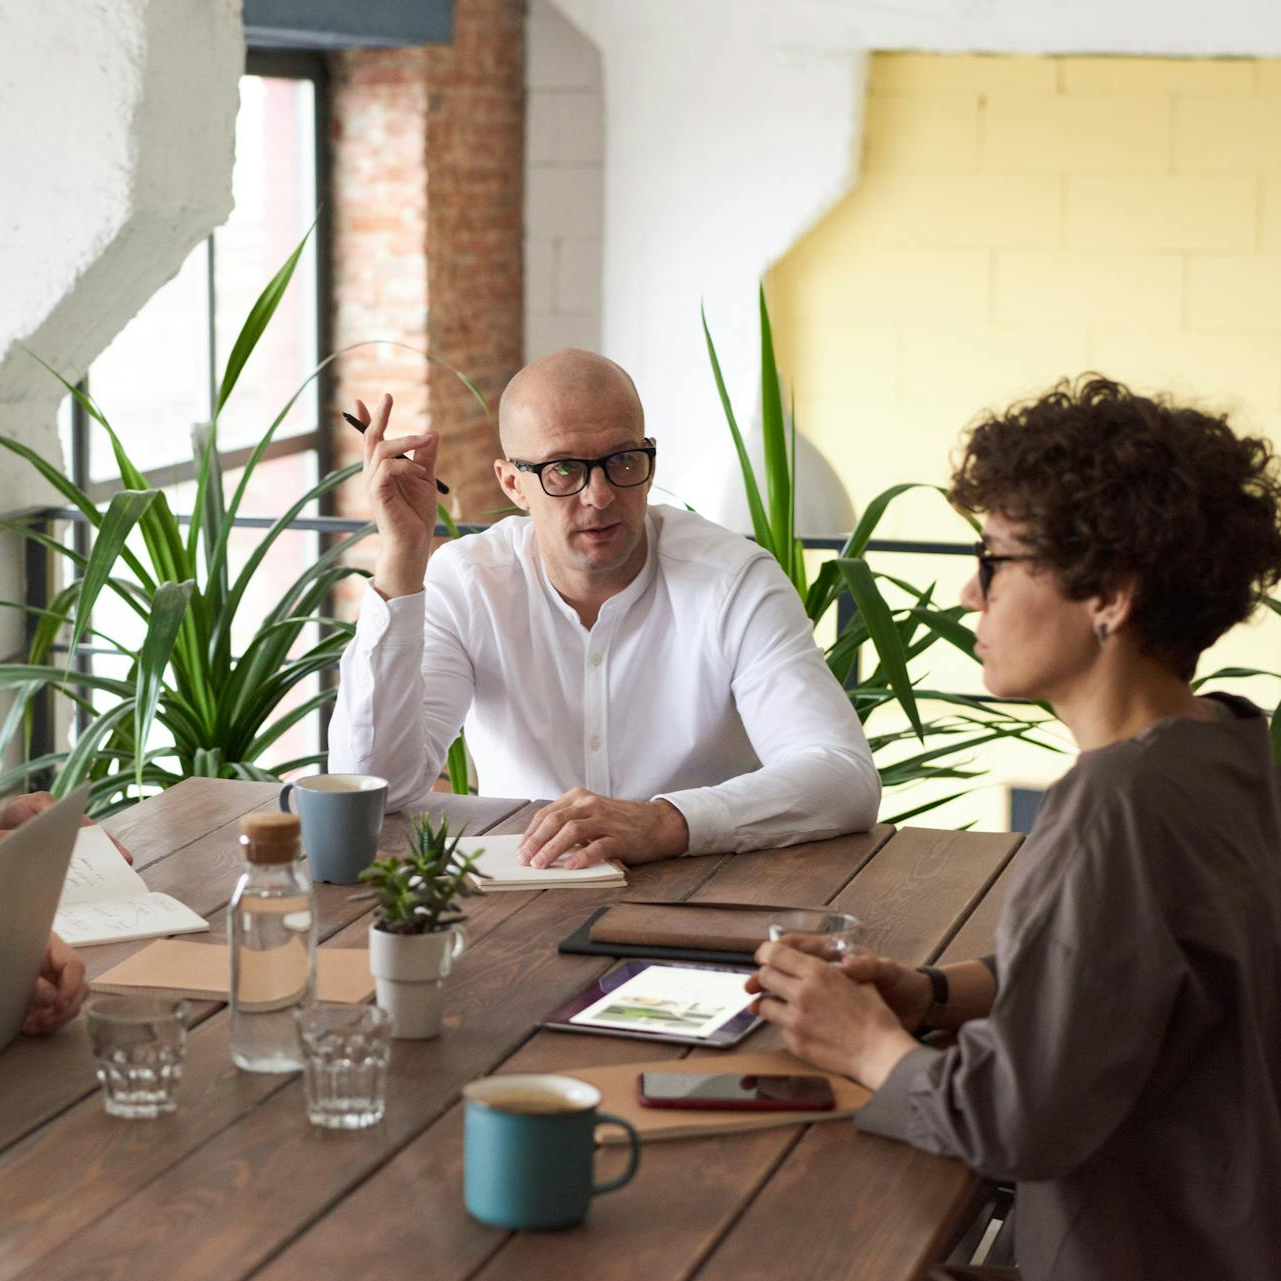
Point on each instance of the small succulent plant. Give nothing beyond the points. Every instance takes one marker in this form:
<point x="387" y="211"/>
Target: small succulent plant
<point x="418" y="892"/>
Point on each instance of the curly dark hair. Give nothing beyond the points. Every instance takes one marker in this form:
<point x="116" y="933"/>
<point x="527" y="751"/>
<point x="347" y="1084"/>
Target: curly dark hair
<point x="1112" y="485"/>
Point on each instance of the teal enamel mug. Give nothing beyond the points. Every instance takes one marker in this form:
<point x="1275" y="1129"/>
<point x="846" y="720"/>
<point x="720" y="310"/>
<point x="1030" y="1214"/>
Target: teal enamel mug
<point x="529" y="1150"/>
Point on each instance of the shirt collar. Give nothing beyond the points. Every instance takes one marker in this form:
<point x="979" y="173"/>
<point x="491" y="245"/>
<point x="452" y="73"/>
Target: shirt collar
<point x="620" y="602"/>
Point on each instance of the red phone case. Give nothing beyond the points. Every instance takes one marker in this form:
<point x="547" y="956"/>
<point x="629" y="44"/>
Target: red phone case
<point x="734" y="1105"/>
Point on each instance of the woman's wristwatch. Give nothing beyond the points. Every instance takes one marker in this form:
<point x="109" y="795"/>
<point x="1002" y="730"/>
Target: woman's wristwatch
<point x="938" y="991"/>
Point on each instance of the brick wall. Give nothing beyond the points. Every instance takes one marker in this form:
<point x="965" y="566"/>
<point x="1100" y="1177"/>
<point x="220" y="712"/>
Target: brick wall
<point x="427" y="180"/>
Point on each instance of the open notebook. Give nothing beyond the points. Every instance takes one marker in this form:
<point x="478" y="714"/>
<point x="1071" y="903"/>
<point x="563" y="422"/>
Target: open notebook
<point x="501" y="871"/>
<point x="105" y="901"/>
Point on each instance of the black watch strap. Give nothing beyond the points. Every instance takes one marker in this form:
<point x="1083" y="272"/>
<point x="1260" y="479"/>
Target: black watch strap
<point x="938" y="982"/>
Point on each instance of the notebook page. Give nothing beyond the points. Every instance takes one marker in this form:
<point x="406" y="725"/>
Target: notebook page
<point x="115" y="920"/>
<point x="499" y="862"/>
<point x="98" y="871"/>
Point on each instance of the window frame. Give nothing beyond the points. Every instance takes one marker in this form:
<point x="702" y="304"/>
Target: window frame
<point x="286" y="65"/>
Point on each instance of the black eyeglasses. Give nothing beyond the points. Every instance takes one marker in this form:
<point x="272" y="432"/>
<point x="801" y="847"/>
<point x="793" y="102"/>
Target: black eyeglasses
<point x="561" y="477"/>
<point x="988" y="561"/>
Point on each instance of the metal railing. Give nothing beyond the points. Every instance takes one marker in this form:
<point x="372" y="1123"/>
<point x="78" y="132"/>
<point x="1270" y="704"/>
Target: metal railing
<point x="39" y="583"/>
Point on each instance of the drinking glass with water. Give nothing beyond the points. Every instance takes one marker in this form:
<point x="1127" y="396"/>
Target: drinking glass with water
<point x="138" y="1044"/>
<point x="346" y="1049"/>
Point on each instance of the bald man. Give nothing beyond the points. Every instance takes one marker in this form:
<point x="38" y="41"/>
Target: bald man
<point x="653" y="671"/>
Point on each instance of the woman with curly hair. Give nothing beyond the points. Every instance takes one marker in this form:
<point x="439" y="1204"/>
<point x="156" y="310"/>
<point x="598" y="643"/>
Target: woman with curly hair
<point x="1120" y="1056"/>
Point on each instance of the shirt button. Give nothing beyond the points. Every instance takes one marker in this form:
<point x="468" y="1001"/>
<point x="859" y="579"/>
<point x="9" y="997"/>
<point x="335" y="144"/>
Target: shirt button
<point x="595" y="660"/>
<point x="594" y="743"/>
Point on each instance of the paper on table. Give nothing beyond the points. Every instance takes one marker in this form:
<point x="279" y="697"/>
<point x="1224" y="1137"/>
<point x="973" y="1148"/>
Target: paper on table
<point x="97" y="871"/>
<point x="502" y="871"/>
<point x="105" y="901"/>
<point x="202" y="971"/>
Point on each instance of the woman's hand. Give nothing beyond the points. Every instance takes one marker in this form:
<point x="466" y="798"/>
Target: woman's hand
<point x="826" y="1017"/>
<point x="25" y="807"/>
<point x="60" y="989"/>
<point x="905" y="990"/>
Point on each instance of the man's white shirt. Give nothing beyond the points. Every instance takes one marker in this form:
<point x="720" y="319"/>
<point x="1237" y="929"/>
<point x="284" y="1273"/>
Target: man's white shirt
<point x="699" y="684"/>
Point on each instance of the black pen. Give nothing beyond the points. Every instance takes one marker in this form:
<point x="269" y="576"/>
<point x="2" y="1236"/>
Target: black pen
<point x="360" y="427"/>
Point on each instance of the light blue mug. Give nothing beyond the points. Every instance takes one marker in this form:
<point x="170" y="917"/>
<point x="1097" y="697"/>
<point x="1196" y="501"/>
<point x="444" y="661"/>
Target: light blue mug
<point x="342" y="819"/>
<point x="529" y="1143"/>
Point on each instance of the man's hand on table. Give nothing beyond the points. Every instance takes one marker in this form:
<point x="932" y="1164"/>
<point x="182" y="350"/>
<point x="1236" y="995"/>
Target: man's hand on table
<point x="595" y="828"/>
<point x="60" y="990"/>
<point x="21" y="808"/>
<point x="827" y="1017"/>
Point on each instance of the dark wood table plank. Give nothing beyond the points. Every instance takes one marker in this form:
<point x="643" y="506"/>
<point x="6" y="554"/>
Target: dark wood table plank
<point x="186" y="812"/>
<point x="696" y="1209"/>
<point x="807" y="875"/>
<point x="498" y="991"/>
<point x="802" y="874"/>
<point x="845" y="1205"/>
<point x="977" y="937"/>
<point x="919" y="891"/>
<point x="239" y="1184"/>
<point x="922" y="886"/>
<point x="212" y="1088"/>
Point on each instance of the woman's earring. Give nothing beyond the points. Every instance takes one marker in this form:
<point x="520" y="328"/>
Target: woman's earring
<point x="1101" y="633"/>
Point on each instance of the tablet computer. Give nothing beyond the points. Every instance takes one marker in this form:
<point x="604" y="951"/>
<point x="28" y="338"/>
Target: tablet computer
<point x="663" y="1001"/>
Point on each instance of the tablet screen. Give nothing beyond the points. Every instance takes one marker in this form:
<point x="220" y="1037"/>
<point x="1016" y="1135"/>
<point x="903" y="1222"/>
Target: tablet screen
<point x="695" y="1003"/>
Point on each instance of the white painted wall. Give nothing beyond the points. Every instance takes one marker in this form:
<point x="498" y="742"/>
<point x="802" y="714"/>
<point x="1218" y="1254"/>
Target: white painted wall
<point x="731" y="126"/>
<point x="116" y="129"/>
<point x="564" y="180"/>
<point x="729" y="129"/>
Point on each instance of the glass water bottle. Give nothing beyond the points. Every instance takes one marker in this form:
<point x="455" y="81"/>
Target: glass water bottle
<point x="273" y="945"/>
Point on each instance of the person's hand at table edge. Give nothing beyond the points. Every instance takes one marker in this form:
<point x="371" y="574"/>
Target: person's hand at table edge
<point x="589" y="829"/>
<point x="22" y="808"/>
<point x="60" y="990"/>
<point x="826" y="1017"/>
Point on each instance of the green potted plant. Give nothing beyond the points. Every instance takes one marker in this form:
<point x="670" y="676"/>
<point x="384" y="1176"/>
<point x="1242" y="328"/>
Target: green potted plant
<point x="900" y="626"/>
<point x="186" y="703"/>
<point x="418" y="933"/>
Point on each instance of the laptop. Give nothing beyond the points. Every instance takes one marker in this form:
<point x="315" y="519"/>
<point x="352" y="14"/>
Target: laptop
<point x="33" y="865"/>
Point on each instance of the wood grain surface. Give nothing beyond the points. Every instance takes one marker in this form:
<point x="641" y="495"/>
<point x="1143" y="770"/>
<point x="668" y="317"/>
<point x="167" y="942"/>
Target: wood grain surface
<point x="237" y="1184"/>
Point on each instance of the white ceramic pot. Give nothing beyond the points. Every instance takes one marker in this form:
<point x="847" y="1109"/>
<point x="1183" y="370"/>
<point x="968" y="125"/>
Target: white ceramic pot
<point x="409" y="976"/>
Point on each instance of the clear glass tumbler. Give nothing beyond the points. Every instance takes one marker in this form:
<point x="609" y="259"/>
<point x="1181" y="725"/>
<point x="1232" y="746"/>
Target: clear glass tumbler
<point x="346" y="1049"/>
<point x="838" y="932"/>
<point x="139" y="1043"/>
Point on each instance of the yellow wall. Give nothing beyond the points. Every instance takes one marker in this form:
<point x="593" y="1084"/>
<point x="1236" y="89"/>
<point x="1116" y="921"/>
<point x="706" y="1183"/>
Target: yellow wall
<point x="1023" y="218"/>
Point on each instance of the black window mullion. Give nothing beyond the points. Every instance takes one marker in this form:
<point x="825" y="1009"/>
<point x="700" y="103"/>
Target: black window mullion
<point x="284" y="64"/>
<point x="213" y="328"/>
<point x="80" y="532"/>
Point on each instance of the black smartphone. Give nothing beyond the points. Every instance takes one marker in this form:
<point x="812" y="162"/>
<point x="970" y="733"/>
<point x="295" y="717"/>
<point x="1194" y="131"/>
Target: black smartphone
<point x="729" y="1091"/>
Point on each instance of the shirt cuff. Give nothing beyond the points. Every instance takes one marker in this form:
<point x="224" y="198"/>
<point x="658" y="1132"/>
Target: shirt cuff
<point x="397" y="622"/>
<point x="711" y="827"/>
<point x="889" y="1111"/>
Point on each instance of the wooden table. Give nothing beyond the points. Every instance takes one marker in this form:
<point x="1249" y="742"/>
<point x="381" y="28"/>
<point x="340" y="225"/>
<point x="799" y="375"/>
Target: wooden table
<point x="238" y="1185"/>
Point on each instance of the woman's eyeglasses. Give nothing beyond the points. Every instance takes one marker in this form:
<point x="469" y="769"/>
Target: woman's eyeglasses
<point x="988" y="561"/>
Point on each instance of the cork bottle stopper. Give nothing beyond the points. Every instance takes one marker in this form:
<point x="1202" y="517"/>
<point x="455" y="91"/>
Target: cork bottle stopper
<point x="269" y="838"/>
